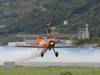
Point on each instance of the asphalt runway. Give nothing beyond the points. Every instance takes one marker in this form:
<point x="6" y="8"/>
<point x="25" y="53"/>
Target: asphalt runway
<point x="63" y="64"/>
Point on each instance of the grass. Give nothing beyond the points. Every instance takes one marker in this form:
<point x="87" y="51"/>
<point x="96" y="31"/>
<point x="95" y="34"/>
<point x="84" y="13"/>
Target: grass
<point x="49" y="71"/>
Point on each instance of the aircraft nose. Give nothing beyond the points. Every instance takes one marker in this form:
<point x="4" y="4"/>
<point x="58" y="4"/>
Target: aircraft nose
<point x="51" y="44"/>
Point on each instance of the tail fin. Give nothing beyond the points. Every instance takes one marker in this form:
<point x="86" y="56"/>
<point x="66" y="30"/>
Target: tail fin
<point x="37" y="40"/>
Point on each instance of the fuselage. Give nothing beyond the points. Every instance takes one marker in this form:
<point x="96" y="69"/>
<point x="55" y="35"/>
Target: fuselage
<point x="47" y="44"/>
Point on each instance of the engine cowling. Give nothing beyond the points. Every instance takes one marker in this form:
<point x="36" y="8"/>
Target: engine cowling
<point x="51" y="44"/>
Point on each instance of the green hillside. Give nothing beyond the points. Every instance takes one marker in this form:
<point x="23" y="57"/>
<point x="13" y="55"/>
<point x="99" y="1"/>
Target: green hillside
<point x="30" y="16"/>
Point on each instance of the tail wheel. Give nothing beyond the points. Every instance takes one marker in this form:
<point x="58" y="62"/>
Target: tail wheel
<point x="56" y="54"/>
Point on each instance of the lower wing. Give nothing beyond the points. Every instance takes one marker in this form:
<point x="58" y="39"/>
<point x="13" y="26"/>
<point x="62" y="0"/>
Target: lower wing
<point x="54" y="47"/>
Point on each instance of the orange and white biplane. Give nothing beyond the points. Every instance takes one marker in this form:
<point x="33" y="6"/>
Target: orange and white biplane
<point x="47" y="43"/>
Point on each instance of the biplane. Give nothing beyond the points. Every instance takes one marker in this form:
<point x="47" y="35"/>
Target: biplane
<point x="48" y="43"/>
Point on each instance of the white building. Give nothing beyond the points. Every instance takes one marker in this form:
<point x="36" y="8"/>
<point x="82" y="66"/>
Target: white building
<point x="84" y="33"/>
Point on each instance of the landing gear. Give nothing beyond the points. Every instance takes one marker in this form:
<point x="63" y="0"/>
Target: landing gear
<point x="42" y="54"/>
<point x="49" y="49"/>
<point x="56" y="53"/>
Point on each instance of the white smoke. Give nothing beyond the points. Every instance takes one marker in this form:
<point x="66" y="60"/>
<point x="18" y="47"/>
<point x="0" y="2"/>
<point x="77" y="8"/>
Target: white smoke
<point x="18" y="54"/>
<point x="65" y="55"/>
<point x="32" y="55"/>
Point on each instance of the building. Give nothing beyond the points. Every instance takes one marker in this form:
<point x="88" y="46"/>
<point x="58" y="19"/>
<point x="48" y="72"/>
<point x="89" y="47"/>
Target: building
<point x="84" y="33"/>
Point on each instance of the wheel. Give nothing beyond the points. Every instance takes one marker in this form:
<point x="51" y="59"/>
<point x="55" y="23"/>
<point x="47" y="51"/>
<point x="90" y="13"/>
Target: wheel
<point x="49" y="49"/>
<point x="56" y="54"/>
<point x="42" y="54"/>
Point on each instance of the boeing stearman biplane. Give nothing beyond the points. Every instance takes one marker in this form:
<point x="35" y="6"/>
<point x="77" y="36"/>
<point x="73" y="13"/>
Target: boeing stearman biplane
<point x="48" y="43"/>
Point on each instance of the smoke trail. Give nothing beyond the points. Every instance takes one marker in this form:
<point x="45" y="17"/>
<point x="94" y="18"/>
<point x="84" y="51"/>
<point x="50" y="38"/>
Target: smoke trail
<point x="18" y="54"/>
<point x="65" y="55"/>
<point x="32" y="56"/>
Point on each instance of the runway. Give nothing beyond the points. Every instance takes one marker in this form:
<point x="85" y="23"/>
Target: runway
<point x="85" y="57"/>
<point x="63" y="64"/>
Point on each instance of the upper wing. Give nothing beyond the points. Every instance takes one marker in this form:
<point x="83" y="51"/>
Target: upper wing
<point x="45" y="35"/>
